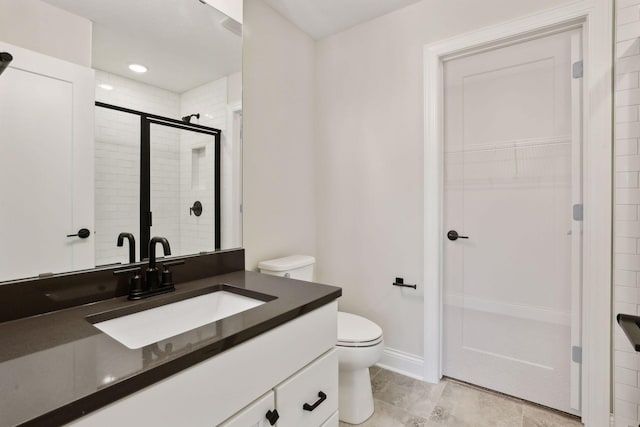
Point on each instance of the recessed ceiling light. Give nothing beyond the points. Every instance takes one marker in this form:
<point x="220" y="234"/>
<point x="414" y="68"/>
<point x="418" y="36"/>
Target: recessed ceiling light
<point x="137" y="68"/>
<point x="105" y="86"/>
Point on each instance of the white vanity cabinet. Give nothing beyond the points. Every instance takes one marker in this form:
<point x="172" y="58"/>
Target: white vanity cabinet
<point x="255" y="415"/>
<point x="288" y="365"/>
<point x="309" y="398"/>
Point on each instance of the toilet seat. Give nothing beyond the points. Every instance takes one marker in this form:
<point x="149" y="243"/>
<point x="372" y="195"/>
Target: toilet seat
<point x="357" y="331"/>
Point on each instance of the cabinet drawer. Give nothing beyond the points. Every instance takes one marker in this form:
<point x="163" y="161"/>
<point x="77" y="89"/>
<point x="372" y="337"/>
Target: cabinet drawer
<point x="311" y="396"/>
<point x="333" y="421"/>
<point x="254" y="415"/>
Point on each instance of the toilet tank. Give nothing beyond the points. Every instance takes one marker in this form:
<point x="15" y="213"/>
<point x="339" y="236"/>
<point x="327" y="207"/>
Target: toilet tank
<point x="295" y="266"/>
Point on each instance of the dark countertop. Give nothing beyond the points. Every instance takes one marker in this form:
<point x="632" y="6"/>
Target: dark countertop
<point x="56" y="367"/>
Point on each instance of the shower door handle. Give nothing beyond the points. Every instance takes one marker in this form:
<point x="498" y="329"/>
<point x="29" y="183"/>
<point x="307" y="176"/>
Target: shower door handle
<point x="453" y="235"/>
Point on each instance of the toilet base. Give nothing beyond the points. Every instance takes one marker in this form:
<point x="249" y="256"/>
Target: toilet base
<point x="355" y="399"/>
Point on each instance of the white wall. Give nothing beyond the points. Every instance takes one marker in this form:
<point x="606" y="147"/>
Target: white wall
<point x="369" y="156"/>
<point x="234" y="88"/>
<point x="278" y="144"/>
<point x="36" y="25"/>
<point x="627" y="204"/>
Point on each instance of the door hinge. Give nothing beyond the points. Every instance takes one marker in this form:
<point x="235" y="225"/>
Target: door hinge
<point x="576" y="354"/>
<point x="578" y="69"/>
<point x="578" y="212"/>
<point x="150" y="219"/>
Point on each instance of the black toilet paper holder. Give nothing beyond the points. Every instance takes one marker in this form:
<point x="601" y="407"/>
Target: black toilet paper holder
<point x="400" y="282"/>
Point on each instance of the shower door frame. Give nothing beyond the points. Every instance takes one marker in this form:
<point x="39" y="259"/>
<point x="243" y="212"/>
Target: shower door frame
<point x="595" y="17"/>
<point x="146" y="215"/>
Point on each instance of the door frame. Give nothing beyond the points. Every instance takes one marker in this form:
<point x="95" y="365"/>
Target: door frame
<point x="595" y="17"/>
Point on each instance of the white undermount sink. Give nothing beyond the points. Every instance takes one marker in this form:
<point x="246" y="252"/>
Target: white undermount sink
<point x="149" y="326"/>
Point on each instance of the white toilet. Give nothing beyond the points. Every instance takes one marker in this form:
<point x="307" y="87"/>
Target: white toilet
<point x="360" y="344"/>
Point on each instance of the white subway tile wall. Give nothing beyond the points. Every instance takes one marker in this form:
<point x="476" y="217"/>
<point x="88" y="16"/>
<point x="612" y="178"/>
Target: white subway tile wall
<point x="210" y="101"/>
<point x="172" y="192"/>
<point x="627" y="202"/>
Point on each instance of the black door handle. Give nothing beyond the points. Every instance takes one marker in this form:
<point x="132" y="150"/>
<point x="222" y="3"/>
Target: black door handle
<point x="83" y="233"/>
<point x="322" y="398"/>
<point x="453" y="235"/>
<point x="272" y="416"/>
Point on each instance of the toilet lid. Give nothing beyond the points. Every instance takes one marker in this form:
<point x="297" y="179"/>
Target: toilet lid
<point x="356" y="329"/>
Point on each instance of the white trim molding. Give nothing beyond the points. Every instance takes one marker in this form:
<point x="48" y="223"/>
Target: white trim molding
<point x="403" y="363"/>
<point x="595" y="17"/>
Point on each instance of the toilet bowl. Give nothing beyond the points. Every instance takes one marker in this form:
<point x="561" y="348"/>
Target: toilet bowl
<point x="360" y="344"/>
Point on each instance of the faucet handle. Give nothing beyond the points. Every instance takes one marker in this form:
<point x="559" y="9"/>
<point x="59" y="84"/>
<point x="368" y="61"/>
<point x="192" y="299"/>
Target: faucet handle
<point x="167" y="276"/>
<point x="135" y="280"/>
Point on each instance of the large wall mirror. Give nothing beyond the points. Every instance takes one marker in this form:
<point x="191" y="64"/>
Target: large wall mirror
<point x="142" y="140"/>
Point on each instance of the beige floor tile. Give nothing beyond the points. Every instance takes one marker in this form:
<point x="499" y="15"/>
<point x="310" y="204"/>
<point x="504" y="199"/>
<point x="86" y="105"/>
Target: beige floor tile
<point x="534" y="416"/>
<point x="464" y="406"/>
<point x="374" y="370"/>
<point x="386" y="415"/>
<point x="412" y="395"/>
<point x="401" y="401"/>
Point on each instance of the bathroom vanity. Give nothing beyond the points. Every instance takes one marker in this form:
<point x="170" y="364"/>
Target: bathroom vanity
<point x="272" y="363"/>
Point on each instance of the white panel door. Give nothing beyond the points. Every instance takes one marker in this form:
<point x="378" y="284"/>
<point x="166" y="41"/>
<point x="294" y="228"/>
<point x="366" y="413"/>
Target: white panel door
<point x="46" y="165"/>
<point x="512" y="175"/>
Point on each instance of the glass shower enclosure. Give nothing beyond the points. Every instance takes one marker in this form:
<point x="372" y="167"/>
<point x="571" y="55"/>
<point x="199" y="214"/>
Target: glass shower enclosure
<point x="164" y="179"/>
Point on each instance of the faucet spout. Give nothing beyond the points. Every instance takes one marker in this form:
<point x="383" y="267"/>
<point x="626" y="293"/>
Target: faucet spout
<point x="132" y="245"/>
<point x="152" y="250"/>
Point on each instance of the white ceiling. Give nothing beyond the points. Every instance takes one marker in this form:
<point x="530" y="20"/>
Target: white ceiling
<point x="181" y="42"/>
<point x="321" y="18"/>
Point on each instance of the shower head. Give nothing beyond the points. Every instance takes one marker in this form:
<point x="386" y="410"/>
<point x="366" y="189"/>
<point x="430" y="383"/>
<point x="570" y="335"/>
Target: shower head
<point x="5" y="60"/>
<point x="187" y="119"/>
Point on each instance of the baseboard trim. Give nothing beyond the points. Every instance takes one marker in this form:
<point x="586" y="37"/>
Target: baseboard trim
<point x="403" y="363"/>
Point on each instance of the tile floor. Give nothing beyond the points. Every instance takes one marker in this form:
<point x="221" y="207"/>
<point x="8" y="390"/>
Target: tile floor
<point x="402" y="401"/>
